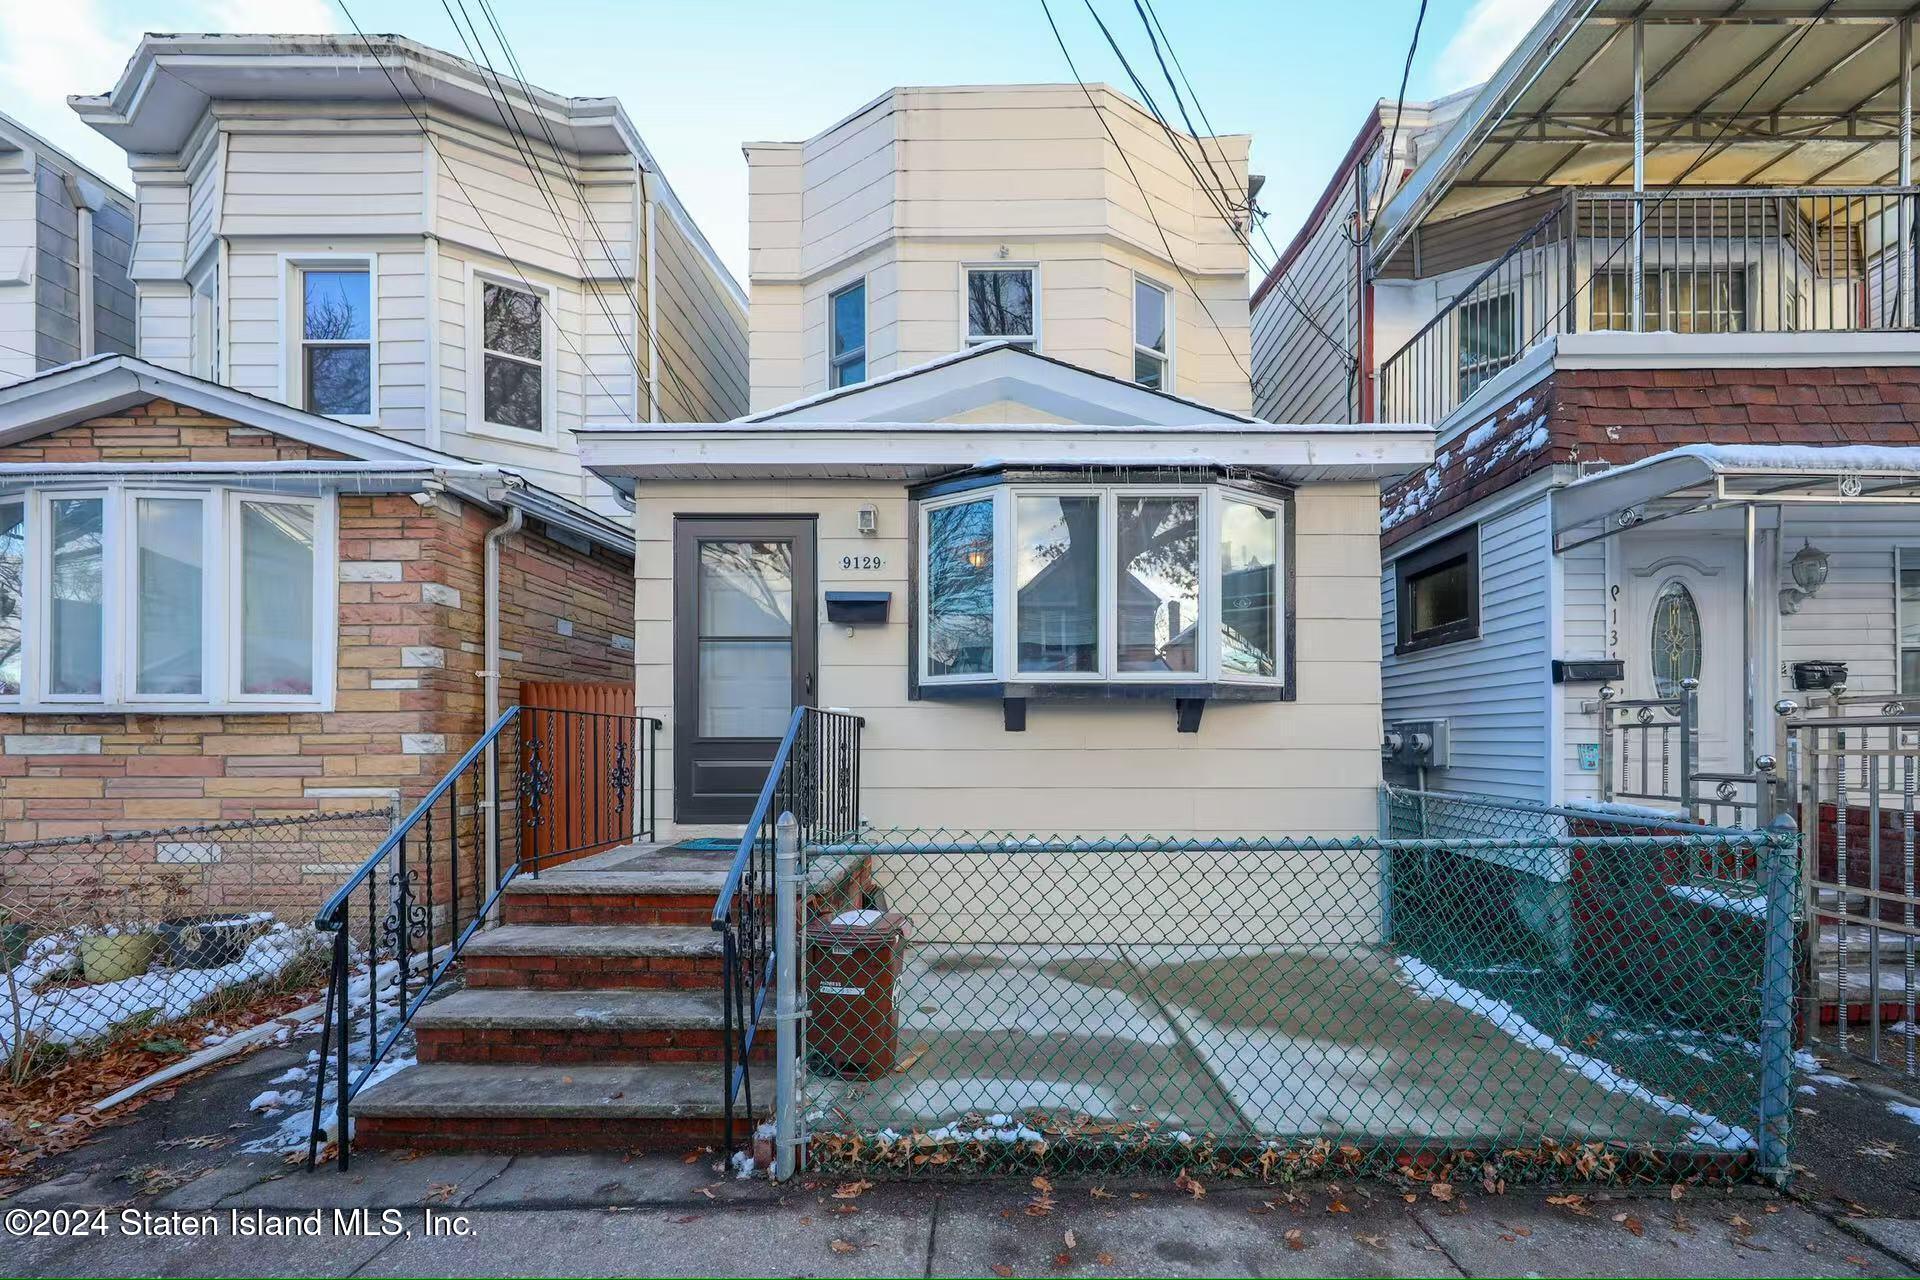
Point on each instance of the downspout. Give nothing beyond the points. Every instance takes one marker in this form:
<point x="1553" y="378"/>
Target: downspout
<point x="653" y="314"/>
<point x="490" y="673"/>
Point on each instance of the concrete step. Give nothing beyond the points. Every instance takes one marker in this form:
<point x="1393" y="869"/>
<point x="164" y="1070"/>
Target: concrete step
<point x="461" y="1106"/>
<point x="589" y="956"/>
<point x="508" y="1025"/>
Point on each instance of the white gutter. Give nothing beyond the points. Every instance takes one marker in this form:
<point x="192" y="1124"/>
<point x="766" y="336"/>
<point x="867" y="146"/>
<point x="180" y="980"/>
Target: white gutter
<point x="490" y="673"/>
<point x="653" y="319"/>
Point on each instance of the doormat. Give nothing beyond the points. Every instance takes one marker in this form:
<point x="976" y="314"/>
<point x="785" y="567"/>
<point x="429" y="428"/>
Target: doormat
<point x="709" y="844"/>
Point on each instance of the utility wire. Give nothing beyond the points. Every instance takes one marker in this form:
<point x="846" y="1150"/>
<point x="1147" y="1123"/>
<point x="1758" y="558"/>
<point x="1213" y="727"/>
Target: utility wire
<point x="518" y="271"/>
<point x="1399" y="106"/>
<point x="1127" y="160"/>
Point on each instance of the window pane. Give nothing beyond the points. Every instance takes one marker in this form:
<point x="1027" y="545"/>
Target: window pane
<point x="511" y="322"/>
<point x="513" y="394"/>
<point x="1440" y="597"/>
<point x="746" y="589"/>
<point x="1909" y="619"/>
<point x="336" y="305"/>
<point x="1058" y="580"/>
<point x="76" y="590"/>
<point x="850" y="371"/>
<point x="1488" y="340"/>
<point x="960" y="590"/>
<point x="1676" y="640"/>
<point x="746" y="688"/>
<point x="849" y="320"/>
<point x="276" y="598"/>
<point x="13" y="569"/>
<point x="339" y="380"/>
<point x="1149" y="370"/>
<point x="1149" y="316"/>
<point x="1000" y="303"/>
<point x="1249" y="589"/>
<point x="1157" y="588"/>
<point x="169" y="547"/>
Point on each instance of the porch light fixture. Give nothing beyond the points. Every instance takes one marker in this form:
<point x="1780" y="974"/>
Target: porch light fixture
<point x="1809" y="568"/>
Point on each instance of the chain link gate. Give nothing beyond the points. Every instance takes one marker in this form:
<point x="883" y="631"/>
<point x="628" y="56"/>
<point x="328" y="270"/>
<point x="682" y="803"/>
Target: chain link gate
<point x="1534" y="992"/>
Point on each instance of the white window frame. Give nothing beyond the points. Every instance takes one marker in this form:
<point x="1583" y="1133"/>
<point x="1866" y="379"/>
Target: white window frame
<point x="1139" y="349"/>
<point x="967" y="338"/>
<point x="549" y="434"/>
<point x="293" y="371"/>
<point x="1006" y="623"/>
<point x="1904" y="558"/>
<point x="866" y="333"/>
<point x="219" y="604"/>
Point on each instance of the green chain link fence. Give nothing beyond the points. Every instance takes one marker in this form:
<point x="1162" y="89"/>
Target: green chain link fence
<point x="1491" y="990"/>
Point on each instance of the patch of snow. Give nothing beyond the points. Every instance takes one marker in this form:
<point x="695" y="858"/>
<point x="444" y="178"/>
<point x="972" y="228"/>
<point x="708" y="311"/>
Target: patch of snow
<point x="866" y="917"/>
<point x="1706" y="1130"/>
<point x="1908" y="1113"/>
<point x="1753" y="906"/>
<point x="1481" y="434"/>
<point x="1804" y="1088"/>
<point x="273" y="1100"/>
<point x="292" y="1075"/>
<point x="1838" y="1082"/>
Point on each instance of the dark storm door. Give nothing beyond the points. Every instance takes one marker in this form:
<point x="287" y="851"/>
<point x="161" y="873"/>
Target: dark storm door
<point x="743" y="655"/>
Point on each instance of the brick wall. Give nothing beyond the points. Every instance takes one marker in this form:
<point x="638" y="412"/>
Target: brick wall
<point x="1621" y="415"/>
<point x="409" y="699"/>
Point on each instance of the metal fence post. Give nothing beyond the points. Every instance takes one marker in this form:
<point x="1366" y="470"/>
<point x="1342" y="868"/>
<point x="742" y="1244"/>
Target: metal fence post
<point x="1606" y="744"/>
<point x="1780" y="876"/>
<point x="786" y="1020"/>
<point x="1689" y="720"/>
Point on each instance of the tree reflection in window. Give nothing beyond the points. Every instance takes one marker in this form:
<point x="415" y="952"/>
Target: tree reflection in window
<point x="960" y="589"/>
<point x="1676" y="640"/>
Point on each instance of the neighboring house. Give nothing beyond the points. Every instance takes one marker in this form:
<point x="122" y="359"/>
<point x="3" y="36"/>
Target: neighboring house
<point x="1711" y="487"/>
<point x="1115" y="601"/>
<point x="66" y="235"/>
<point x="400" y="239"/>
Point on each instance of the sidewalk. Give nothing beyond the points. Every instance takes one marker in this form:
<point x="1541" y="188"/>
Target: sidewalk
<point x="663" y="1215"/>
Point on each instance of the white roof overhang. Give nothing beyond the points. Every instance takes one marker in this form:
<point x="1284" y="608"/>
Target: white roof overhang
<point x="1778" y="93"/>
<point x="910" y="451"/>
<point x="1704" y="477"/>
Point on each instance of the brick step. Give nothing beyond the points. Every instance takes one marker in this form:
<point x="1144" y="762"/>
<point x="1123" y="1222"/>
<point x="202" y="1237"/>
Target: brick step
<point x="445" y="1106"/>
<point x="582" y="957"/>
<point x="634" y="884"/>
<point x="509" y="1025"/>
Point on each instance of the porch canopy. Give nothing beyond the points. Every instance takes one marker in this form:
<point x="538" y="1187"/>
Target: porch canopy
<point x="1736" y="93"/>
<point x="1707" y="477"/>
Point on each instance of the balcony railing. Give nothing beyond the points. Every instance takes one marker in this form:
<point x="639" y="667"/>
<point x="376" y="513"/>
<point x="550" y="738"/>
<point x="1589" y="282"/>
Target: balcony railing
<point x="1684" y="260"/>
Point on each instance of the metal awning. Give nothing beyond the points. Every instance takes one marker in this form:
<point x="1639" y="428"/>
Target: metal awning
<point x="1738" y="92"/>
<point x="1701" y="477"/>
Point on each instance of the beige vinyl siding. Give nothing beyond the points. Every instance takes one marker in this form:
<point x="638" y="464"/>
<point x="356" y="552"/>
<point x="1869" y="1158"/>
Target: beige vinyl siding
<point x="324" y="178"/>
<point x="916" y="186"/>
<point x="1853" y="617"/>
<point x="702" y="332"/>
<point x="18" y="244"/>
<point x="205" y="178"/>
<point x="1311" y="765"/>
<point x="1299" y="375"/>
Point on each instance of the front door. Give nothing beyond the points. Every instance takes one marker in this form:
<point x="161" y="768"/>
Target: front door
<point x="1682" y="618"/>
<point x="743" y="655"/>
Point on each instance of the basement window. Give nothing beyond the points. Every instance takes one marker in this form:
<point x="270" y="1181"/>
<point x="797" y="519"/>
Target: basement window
<point x="1437" y="589"/>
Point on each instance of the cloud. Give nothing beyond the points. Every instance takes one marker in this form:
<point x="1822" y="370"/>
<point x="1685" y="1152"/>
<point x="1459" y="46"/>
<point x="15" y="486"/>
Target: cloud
<point x="1488" y="34"/>
<point x="48" y="51"/>
<point x="295" y="17"/>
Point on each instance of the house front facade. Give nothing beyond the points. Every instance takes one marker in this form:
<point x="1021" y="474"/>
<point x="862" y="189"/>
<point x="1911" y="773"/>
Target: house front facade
<point x="1673" y="387"/>
<point x="1001" y="497"/>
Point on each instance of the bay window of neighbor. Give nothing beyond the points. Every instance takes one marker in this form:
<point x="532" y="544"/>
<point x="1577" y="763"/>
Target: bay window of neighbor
<point x="1127" y="584"/>
<point x="1149" y="335"/>
<point x="1000" y="305"/>
<point x="115" y="598"/>
<point x="336" y="341"/>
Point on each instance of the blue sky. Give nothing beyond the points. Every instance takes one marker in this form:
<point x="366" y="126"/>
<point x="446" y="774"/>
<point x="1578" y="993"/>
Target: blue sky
<point x="699" y="79"/>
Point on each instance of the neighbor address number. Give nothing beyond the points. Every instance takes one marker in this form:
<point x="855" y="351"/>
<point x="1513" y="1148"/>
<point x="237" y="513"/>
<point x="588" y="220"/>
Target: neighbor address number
<point x="863" y="562"/>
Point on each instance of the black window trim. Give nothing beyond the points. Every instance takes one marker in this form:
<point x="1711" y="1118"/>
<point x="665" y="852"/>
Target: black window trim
<point x="1461" y="544"/>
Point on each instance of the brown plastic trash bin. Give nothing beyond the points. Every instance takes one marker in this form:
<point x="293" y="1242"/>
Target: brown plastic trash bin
<point x="853" y="965"/>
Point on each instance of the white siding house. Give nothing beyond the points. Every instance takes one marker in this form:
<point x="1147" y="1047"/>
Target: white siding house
<point x="281" y="174"/>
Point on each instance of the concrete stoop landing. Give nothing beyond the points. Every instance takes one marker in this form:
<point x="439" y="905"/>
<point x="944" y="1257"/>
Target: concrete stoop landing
<point x="591" y="1018"/>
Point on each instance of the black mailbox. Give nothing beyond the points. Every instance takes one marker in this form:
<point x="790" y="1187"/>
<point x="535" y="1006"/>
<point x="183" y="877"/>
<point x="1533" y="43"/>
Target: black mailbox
<point x="1588" y="670"/>
<point x="857" y="608"/>
<point x="1818" y="674"/>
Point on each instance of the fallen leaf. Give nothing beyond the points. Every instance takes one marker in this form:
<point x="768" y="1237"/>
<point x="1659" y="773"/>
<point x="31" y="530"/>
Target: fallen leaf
<point x="693" y="1157"/>
<point x="1101" y="1193"/>
<point x="1677" y="1190"/>
<point x="1071" y="1240"/>
<point x="1002" y="1269"/>
<point x="852" y="1190"/>
<point x="844" y="1208"/>
<point x="1338" y="1206"/>
<point x="1041" y="1185"/>
<point x="1295" y="1239"/>
<point x="443" y="1191"/>
<point x="1104" y="1259"/>
<point x="1190" y="1185"/>
<point x="705" y="1191"/>
<point x="1062" y="1259"/>
<point x="840" y="1246"/>
<point x="1634" y="1226"/>
<point x="1372" y="1242"/>
<point x="1441" y="1191"/>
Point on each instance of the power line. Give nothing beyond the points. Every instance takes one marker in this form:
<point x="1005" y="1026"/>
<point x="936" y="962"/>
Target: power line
<point x="1399" y="106"/>
<point x="1127" y="160"/>
<point x="519" y="272"/>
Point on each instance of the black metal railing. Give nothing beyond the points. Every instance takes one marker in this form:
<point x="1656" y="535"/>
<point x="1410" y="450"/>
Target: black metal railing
<point x="815" y="775"/>
<point x="1709" y="260"/>
<point x="540" y="786"/>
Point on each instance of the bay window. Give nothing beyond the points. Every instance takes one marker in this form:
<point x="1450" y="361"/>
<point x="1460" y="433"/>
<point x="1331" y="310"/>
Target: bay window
<point x="125" y="597"/>
<point x="336" y="339"/>
<point x="1084" y="584"/>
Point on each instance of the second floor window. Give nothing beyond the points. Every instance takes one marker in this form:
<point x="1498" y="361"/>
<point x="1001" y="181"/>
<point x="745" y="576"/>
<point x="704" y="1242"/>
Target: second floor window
<point x="847" y="357"/>
<point x="1000" y="305"/>
<point x="1680" y="301"/>
<point x="511" y="343"/>
<point x="1149" y="335"/>
<point x="1489" y="339"/>
<point x="336" y="341"/>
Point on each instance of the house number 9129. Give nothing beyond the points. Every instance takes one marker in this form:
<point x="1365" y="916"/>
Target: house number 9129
<point x="862" y="562"/>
